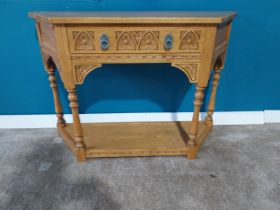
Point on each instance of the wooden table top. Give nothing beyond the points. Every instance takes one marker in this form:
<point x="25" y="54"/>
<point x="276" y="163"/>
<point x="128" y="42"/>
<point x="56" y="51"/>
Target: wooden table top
<point x="134" y="17"/>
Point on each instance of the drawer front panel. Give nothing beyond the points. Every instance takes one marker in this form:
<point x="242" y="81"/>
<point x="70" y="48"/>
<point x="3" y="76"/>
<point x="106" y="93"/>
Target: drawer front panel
<point x="87" y="39"/>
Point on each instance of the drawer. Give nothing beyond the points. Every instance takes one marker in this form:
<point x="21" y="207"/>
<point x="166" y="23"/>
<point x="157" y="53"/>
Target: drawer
<point x="94" y="39"/>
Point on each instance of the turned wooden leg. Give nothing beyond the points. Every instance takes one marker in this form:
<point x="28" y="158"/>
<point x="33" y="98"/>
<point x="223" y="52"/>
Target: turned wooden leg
<point x="57" y="104"/>
<point x="78" y="133"/>
<point x="199" y="94"/>
<point x="211" y="105"/>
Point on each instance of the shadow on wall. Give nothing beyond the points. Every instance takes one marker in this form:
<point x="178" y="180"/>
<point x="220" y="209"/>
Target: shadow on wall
<point x="158" y="84"/>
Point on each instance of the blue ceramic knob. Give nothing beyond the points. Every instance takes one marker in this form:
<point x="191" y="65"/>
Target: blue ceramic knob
<point x="168" y="41"/>
<point x="104" y="42"/>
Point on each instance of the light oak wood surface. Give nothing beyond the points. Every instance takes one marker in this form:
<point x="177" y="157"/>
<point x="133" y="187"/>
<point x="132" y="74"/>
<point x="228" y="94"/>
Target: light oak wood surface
<point x="76" y="43"/>
<point x="137" y="139"/>
<point x="134" y="17"/>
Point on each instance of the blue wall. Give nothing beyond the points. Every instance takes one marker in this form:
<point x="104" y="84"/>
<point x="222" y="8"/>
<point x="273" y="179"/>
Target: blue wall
<point x="245" y="85"/>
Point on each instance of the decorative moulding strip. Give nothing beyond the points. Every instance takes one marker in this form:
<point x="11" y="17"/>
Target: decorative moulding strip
<point x="220" y="118"/>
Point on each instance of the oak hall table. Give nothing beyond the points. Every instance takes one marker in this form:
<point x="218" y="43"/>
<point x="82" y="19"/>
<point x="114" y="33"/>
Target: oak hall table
<point x="76" y="43"/>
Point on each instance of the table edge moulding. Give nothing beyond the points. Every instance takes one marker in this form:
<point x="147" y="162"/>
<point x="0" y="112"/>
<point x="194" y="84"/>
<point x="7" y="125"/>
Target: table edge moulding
<point x="76" y="43"/>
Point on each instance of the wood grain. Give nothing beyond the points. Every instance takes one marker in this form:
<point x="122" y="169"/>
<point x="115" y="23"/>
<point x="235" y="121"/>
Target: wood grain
<point x="79" y="42"/>
<point x="137" y="139"/>
<point x="57" y="103"/>
<point x="199" y="95"/>
<point x="134" y="17"/>
<point x="77" y="128"/>
<point x="211" y="105"/>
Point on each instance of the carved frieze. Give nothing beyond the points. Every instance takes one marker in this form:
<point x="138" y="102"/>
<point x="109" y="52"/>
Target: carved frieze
<point x="129" y="57"/>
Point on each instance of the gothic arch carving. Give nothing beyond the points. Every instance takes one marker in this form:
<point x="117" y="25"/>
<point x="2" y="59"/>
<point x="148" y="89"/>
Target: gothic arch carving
<point x="189" y="69"/>
<point x="126" y="42"/>
<point x="189" y="41"/>
<point x="148" y="42"/>
<point x="84" y="40"/>
<point x="81" y="71"/>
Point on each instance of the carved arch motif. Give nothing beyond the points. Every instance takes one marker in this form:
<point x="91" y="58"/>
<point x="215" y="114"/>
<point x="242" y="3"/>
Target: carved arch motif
<point x="126" y="42"/>
<point x="148" y="42"/>
<point x="137" y="40"/>
<point x="81" y="71"/>
<point x="190" y="69"/>
<point x="189" y="40"/>
<point x="84" y="40"/>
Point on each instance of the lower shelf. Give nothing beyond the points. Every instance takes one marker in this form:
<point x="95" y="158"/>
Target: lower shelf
<point x="136" y="139"/>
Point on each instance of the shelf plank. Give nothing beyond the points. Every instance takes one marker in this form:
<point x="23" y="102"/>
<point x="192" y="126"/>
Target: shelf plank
<point x="137" y="139"/>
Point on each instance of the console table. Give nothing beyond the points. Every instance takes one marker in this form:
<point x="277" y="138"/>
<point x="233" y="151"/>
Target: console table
<point x="76" y="43"/>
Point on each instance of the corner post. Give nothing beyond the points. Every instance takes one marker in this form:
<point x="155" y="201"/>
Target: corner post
<point x="199" y="95"/>
<point x="57" y="103"/>
<point x="211" y="104"/>
<point x="78" y="133"/>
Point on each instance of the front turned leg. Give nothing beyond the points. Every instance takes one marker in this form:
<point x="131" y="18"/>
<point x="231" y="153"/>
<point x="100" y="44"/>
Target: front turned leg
<point x="78" y="133"/>
<point x="199" y="95"/>
<point x="211" y="105"/>
<point x="57" y="103"/>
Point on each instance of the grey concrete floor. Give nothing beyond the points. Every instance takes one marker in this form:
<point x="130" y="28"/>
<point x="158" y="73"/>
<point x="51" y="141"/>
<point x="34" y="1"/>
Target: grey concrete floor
<point x="237" y="168"/>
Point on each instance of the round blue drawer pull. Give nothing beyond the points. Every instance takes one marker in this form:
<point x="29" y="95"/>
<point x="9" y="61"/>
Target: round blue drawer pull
<point x="168" y="41"/>
<point x="104" y="42"/>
